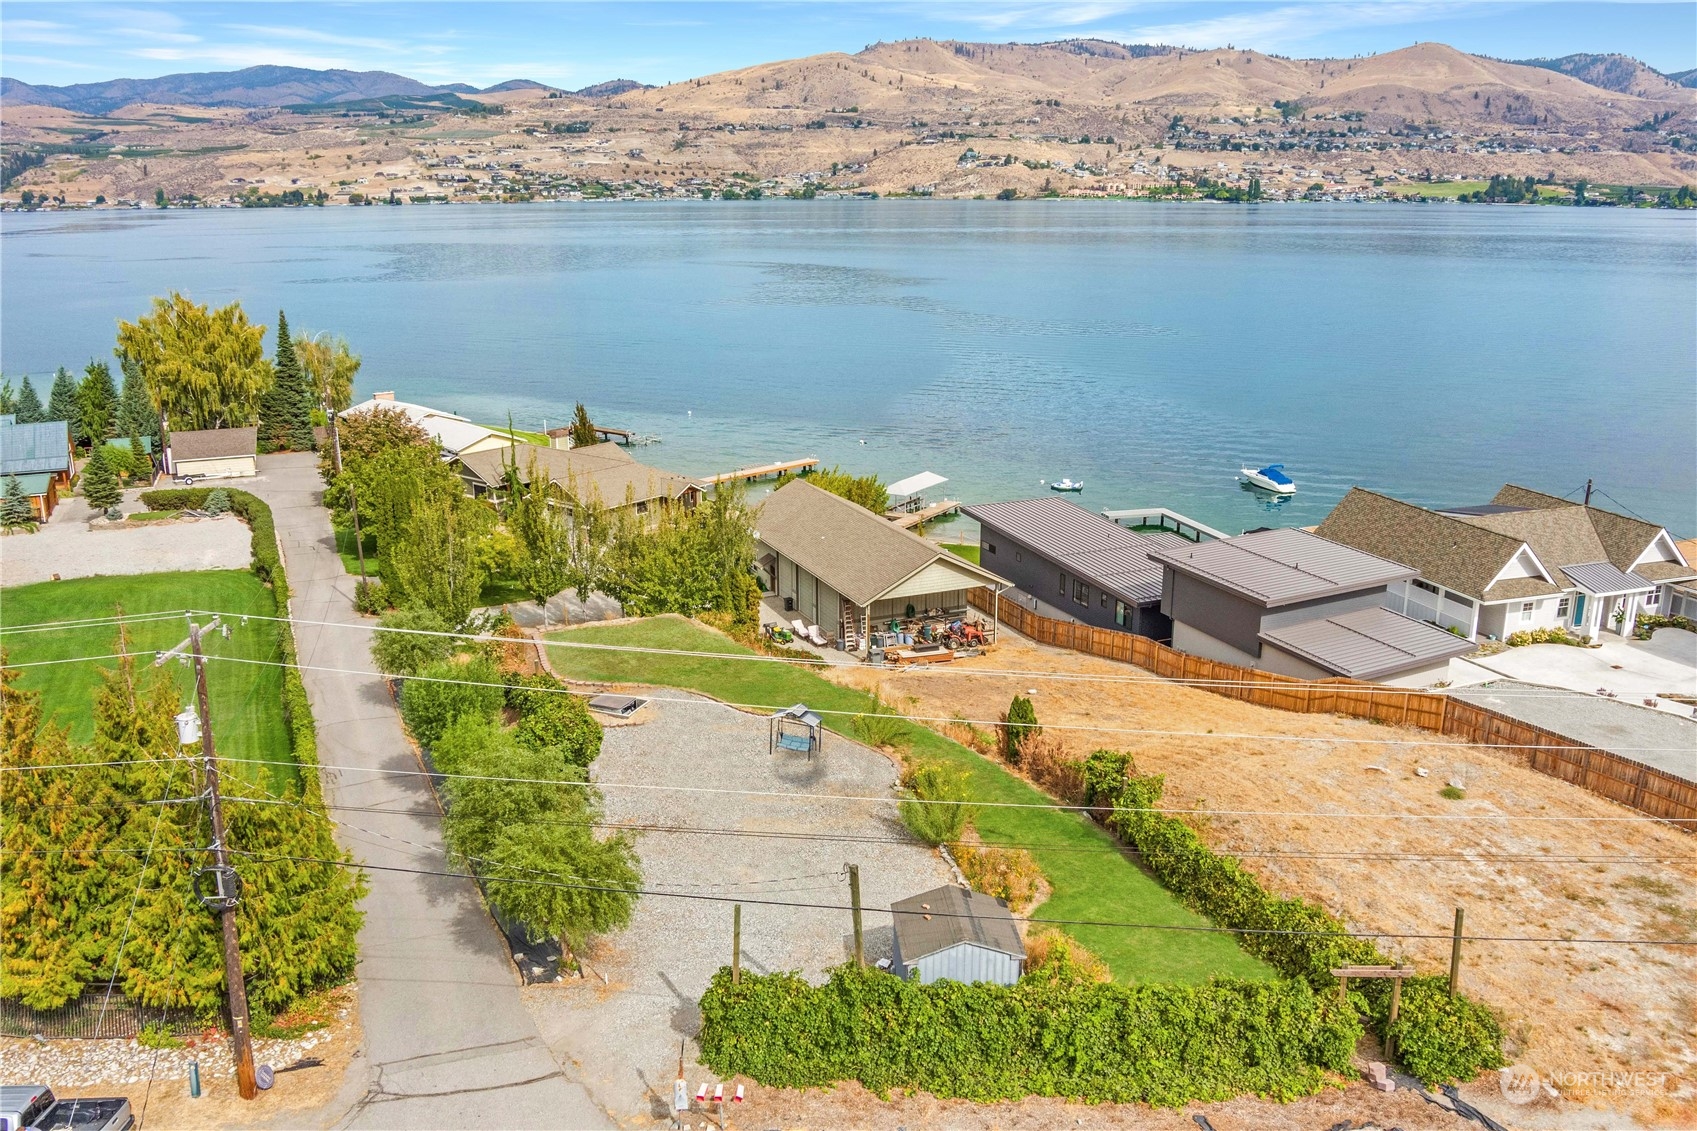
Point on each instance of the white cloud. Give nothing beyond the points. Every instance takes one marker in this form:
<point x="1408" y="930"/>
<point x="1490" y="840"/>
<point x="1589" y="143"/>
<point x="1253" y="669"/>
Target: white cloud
<point x="311" y="35"/>
<point x="1001" y="16"/>
<point x="235" y="56"/>
<point x="42" y="31"/>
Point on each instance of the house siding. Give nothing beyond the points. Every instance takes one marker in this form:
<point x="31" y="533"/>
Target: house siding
<point x="229" y="467"/>
<point x="963" y="962"/>
<point x="1041" y="577"/>
<point x="1220" y="615"/>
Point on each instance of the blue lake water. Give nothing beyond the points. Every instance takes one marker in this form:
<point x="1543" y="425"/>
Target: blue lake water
<point x="1431" y="352"/>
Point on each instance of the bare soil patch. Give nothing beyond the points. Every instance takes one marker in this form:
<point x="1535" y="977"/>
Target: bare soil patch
<point x="1316" y="805"/>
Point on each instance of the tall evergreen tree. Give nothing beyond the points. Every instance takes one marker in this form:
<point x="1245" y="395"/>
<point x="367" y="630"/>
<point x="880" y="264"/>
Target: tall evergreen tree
<point x="136" y="413"/>
<point x="14" y="507"/>
<point x="285" y="411"/>
<point x="62" y="404"/>
<point x="28" y="407"/>
<point x="583" y="432"/>
<point x="100" y="481"/>
<point x="97" y="401"/>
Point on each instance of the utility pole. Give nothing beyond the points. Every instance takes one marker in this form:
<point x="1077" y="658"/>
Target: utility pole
<point x="359" y="539"/>
<point x="240" y="1039"/>
<point x="335" y="444"/>
<point x="1455" y="955"/>
<point x="854" y="899"/>
<point x="736" y="944"/>
<point x="1587" y="492"/>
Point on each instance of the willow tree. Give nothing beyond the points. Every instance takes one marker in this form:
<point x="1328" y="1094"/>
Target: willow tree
<point x="330" y="367"/>
<point x="545" y="566"/>
<point x="203" y="368"/>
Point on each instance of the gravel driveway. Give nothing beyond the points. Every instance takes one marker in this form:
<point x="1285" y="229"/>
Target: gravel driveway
<point x="67" y="547"/>
<point x="626" y="1035"/>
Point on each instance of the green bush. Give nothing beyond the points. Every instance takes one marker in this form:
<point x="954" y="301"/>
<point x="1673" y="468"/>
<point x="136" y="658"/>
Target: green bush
<point x="882" y="725"/>
<point x="465" y="740"/>
<point x="398" y="649"/>
<point x="371" y="597"/>
<point x="1159" y="1044"/>
<point x="550" y="718"/>
<point x="446" y="691"/>
<point x="1441" y="1038"/>
<point x="1298" y="939"/>
<point x="1021" y="724"/>
<point x="938" y="813"/>
<point x="157" y="1035"/>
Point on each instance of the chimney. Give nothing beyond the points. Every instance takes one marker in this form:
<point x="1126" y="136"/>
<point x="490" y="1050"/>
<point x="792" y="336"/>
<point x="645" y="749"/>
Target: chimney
<point x="385" y="396"/>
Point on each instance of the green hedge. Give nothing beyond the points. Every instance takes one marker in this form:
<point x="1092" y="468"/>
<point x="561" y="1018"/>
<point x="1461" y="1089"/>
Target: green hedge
<point x="268" y="567"/>
<point x="1439" y="1037"/>
<point x="1098" y="1042"/>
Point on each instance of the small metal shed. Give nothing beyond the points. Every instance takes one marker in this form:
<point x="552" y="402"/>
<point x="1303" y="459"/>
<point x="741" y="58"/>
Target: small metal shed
<point x="956" y="933"/>
<point x="795" y="729"/>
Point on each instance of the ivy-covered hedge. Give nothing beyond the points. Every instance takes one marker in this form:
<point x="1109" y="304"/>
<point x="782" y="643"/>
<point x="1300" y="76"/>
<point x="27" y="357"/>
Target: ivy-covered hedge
<point x="268" y="567"/>
<point x="1439" y="1037"/>
<point x="1098" y="1042"/>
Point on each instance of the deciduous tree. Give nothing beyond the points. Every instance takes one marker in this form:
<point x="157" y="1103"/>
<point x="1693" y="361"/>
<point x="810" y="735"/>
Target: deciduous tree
<point x="330" y="367"/>
<point x="435" y="562"/>
<point x="203" y="368"/>
<point x="545" y="560"/>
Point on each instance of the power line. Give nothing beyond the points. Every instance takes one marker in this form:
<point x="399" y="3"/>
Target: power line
<point x="866" y="799"/>
<point x="1032" y="919"/>
<point x="1086" y="728"/>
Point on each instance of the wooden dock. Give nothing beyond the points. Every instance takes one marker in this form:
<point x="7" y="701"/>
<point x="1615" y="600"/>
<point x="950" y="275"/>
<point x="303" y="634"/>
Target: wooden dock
<point x="763" y="471"/>
<point x="907" y="519"/>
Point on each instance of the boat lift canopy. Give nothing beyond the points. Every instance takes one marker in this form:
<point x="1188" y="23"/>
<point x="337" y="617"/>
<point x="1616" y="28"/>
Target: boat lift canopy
<point x="914" y="484"/>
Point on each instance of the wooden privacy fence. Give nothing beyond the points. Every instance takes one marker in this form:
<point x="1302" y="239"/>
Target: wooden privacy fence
<point x="1645" y="788"/>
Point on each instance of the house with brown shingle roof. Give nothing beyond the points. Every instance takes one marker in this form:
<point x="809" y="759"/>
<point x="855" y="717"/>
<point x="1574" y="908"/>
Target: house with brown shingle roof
<point x="605" y="473"/>
<point x="1525" y="560"/>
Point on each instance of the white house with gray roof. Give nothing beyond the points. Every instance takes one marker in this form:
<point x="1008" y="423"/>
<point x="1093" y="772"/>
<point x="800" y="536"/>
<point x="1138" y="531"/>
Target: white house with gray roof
<point x="1291" y="602"/>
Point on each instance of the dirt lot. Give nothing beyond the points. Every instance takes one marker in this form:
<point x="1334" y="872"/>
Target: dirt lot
<point x="625" y="1033"/>
<point x="1309" y="814"/>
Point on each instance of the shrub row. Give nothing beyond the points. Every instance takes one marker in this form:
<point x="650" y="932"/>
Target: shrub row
<point x="268" y="567"/>
<point x="1097" y="1042"/>
<point x="1439" y="1037"/>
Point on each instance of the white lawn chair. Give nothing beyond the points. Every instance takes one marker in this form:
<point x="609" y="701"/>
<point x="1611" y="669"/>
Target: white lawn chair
<point x="800" y="627"/>
<point x="816" y="636"/>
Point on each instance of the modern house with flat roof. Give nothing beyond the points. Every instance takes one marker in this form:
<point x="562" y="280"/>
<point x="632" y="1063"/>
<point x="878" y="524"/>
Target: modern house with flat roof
<point x="1081" y="565"/>
<point x="956" y="933"/>
<point x="605" y="472"/>
<point x="213" y="453"/>
<point x="840" y="566"/>
<point x="1292" y="602"/>
<point x="39" y="456"/>
<point x="1523" y="561"/>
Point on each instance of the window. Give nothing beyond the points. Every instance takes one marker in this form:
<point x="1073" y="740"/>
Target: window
<point x="1652" y="598"/>
<point x="1063" y="583"/>
<point x="1119" y="613"/>
<point x="1526" y="610"/>
<point x="1426" y="585"/>
<point x="1562" y="608"/>
<point x="1104" y="600"/>
<point x="642" y="508"/>
<point x="1080" y="593"/>
<point x="990" y="546"/>
<point x="1018" y="557"/>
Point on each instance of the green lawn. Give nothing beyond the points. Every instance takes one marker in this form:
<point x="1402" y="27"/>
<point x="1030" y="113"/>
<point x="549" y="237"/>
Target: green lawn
<point x="246" y="698"/>
<point x="968" y="550"/>
<point x="1091" y="878"/>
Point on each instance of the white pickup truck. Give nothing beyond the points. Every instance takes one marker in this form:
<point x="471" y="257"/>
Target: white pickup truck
<point x="33" y="1107"/>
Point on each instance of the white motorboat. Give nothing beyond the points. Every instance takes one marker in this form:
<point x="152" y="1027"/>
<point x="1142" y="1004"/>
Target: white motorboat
<point x="1270" y="478"/>
<point x="1067" y="485"/>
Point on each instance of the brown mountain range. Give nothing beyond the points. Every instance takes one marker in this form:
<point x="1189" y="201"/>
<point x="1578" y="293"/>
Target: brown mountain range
<point x="1074" y="117"/>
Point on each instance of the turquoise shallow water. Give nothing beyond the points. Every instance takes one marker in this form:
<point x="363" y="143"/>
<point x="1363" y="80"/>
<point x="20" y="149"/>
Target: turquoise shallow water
<point x="1433" y="352"/>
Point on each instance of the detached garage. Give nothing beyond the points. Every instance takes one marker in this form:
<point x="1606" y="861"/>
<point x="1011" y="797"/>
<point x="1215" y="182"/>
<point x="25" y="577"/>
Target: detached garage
<point x="213" y="453"/>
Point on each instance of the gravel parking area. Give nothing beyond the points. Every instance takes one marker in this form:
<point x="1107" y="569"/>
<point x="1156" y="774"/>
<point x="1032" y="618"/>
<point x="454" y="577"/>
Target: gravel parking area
<point x="1655" y="738"/>
<point x="67" y="547"/>
<point x="625" y="1033"/>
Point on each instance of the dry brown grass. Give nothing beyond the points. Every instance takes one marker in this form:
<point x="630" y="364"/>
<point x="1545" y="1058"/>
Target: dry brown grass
<point x="1318" y="807"/>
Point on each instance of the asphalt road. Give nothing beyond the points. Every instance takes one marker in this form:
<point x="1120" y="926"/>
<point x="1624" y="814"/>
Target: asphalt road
<point x="448" y="1041"/>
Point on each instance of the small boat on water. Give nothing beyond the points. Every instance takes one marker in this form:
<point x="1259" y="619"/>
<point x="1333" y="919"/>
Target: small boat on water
<point x="1067" y="485"/>
<point x="1270" y="478"/>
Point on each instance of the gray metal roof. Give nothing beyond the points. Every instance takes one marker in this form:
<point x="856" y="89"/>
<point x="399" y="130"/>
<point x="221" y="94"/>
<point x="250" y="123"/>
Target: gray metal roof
<point x="26" y="448"/>
<point x="1603" y="579"/>
<point x="946" y="916"/>
<point x="1368" y="643"/>
<point x="1088" y="545"/>
<point x="1282" y="567"/>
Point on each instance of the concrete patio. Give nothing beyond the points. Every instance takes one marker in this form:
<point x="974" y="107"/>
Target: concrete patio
<point x="1634" y="670"/>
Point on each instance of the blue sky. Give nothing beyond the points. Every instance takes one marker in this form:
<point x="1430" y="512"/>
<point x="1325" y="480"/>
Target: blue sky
<point x="574" y="44"/>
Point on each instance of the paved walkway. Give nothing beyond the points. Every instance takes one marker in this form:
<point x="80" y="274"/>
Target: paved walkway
<point x="448" y="1042"/>
<point x="65" y="546"/>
